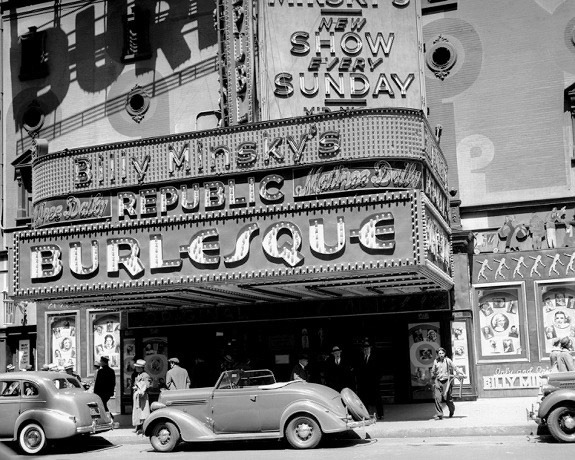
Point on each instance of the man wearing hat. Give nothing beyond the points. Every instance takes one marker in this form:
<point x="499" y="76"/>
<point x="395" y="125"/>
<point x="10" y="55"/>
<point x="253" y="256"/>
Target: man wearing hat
<point x="338" y="372"/>
<point x="299" y="371"/>
<point x="105" y="382"/>
<point x="141" y="400"/>
<point x="69" y="368"/>
<point x="368" y="374"/>
<point x="10" y="368"/>
<point x="177" y="377"/>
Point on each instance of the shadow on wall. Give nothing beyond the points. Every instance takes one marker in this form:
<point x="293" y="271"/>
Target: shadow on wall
<point x="90" y="50"/>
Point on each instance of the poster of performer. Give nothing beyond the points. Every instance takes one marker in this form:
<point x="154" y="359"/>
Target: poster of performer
<point x="63" y="340"/>
<point x="423" y="343"/>
<point x="558" y="315"/>
<point x="460" y="350"/>
<point x="499" y="325"/>
<point x="155" y="353"/>
<point x="107" y="338"/>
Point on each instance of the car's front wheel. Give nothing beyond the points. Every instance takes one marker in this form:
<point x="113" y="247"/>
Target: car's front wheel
<point x="561" y="423"/>
<point x="165" y="436"/>
<point x="303" y="432"/>
<point x="32" y="439"/>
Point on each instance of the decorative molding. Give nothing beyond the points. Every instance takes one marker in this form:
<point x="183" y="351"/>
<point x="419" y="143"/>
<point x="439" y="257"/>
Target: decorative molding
<point x="441" y="57"/>
<point x="137" y="103"/>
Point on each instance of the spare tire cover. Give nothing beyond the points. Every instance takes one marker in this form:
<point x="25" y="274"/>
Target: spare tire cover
<point x="354" y="405"/>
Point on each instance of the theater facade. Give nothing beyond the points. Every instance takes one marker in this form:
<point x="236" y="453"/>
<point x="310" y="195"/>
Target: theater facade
<point x="314" y="211"/>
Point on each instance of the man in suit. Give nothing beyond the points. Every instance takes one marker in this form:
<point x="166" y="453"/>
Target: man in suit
<point x="368" y="375"/>
<point x="105" y="382"/>
<point x="338" y="372"/>
<point x="177" y="377"/>
<point x="299" y="371"/>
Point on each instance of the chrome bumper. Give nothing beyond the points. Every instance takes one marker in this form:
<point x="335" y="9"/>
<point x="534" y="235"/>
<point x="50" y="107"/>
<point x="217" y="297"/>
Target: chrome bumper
<point x="533" y="413"/>
<point x="361" y="423"/>
<point x="95" y="428"/>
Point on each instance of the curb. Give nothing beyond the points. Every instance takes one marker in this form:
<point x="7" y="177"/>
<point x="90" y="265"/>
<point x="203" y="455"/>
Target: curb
<point x="126" y="436"/>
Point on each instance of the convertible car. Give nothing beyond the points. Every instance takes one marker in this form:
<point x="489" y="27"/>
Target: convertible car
<point x="38" y="406"/>
<point x="252" y="405"/>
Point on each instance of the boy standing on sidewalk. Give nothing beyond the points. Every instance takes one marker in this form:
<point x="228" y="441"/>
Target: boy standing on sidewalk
<point x="442" y="374"/>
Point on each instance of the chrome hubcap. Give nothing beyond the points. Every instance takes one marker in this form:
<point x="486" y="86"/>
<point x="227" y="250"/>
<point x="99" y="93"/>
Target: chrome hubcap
<point x="164" y="435"/>
<point x="568" y="422"/>
<point x="303" y="431"/>
<point x="33" y="438"/>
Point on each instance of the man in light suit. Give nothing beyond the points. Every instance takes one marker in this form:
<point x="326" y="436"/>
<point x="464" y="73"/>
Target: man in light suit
<point x="177" y="377"/>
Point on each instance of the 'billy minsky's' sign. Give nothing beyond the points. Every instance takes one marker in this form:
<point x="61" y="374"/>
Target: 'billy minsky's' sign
<point x="327" y="54"/>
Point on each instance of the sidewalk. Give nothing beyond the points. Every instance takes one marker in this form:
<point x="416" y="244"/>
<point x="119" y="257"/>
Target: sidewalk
<point x="484" y="417"/>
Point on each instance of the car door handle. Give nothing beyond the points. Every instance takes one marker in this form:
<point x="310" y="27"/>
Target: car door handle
<point x="253" y="398"/>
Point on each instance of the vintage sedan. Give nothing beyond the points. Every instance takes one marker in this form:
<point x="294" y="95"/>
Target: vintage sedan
<point x="41" y="406"/>
<point x="252" y="405"/>
<point x="555" y="407"/>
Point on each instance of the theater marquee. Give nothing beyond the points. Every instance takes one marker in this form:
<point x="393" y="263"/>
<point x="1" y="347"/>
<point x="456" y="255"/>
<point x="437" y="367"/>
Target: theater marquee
<point x="348" y="236"/>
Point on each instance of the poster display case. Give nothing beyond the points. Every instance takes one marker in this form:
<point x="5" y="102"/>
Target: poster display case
<point x="424" y="340"/>
<point x="104" y="338"/>
<point x="62" y="338"/>
<point x="555" y="306"/>
<point x="501" y="323"/>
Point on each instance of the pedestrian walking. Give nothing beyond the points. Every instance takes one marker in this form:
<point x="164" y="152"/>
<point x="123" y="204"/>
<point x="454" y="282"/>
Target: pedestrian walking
<point x="337" y="370"/>
<point x="368" y="374"/>
<point x="141" y="400"/>
<point x="442" y="374"/>
<point x="177" y="377"/>
<point x="105" y="382"/>
<point x="299" y="371"/>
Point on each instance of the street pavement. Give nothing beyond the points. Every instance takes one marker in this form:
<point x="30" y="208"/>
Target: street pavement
<point x="484" y="417"/>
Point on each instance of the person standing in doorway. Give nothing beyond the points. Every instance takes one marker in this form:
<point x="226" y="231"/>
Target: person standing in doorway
<point x="177" y="377"/>
<point x="299" y="371"/>
<point x="105" y="382"/>
<point x="141" y="400"/>
<point x="338" y="373"/>
<point x="442" y="374"/>
<point x="368" y="374"/>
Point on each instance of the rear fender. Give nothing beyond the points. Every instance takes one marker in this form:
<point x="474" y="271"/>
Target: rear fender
<point x="557" y="398"/>
<point x="56" y="424"/>
<point x="191" y="429"/>
<point x="328" y="420"/>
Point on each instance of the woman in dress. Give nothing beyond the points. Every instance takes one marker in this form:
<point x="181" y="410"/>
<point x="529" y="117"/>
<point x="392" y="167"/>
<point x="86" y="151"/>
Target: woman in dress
<point x="141" y="401"/>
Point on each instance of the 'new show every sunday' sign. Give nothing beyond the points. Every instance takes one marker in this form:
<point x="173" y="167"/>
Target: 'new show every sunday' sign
<point x="327" y="55"/>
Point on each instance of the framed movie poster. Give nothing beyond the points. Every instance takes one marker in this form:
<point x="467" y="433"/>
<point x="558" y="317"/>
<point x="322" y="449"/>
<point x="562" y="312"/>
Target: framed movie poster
<point x="104" y="338"/>
<point x="129" y="360"/>
<point x="62" y="339"/>
<point x="501" y="329"/>
<point x="459" y="348"/>
<point x="424" y="340"/>
<point x="555" y="313"/>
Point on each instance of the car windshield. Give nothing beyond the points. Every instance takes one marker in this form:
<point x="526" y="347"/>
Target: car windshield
<point x="64" y="383"/>
<point x="230" y="380"/>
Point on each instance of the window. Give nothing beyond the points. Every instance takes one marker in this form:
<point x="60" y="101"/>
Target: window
<point x="30" y="389"/>
<point x="23" y="177"/>
<point x="10" y="388"/>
